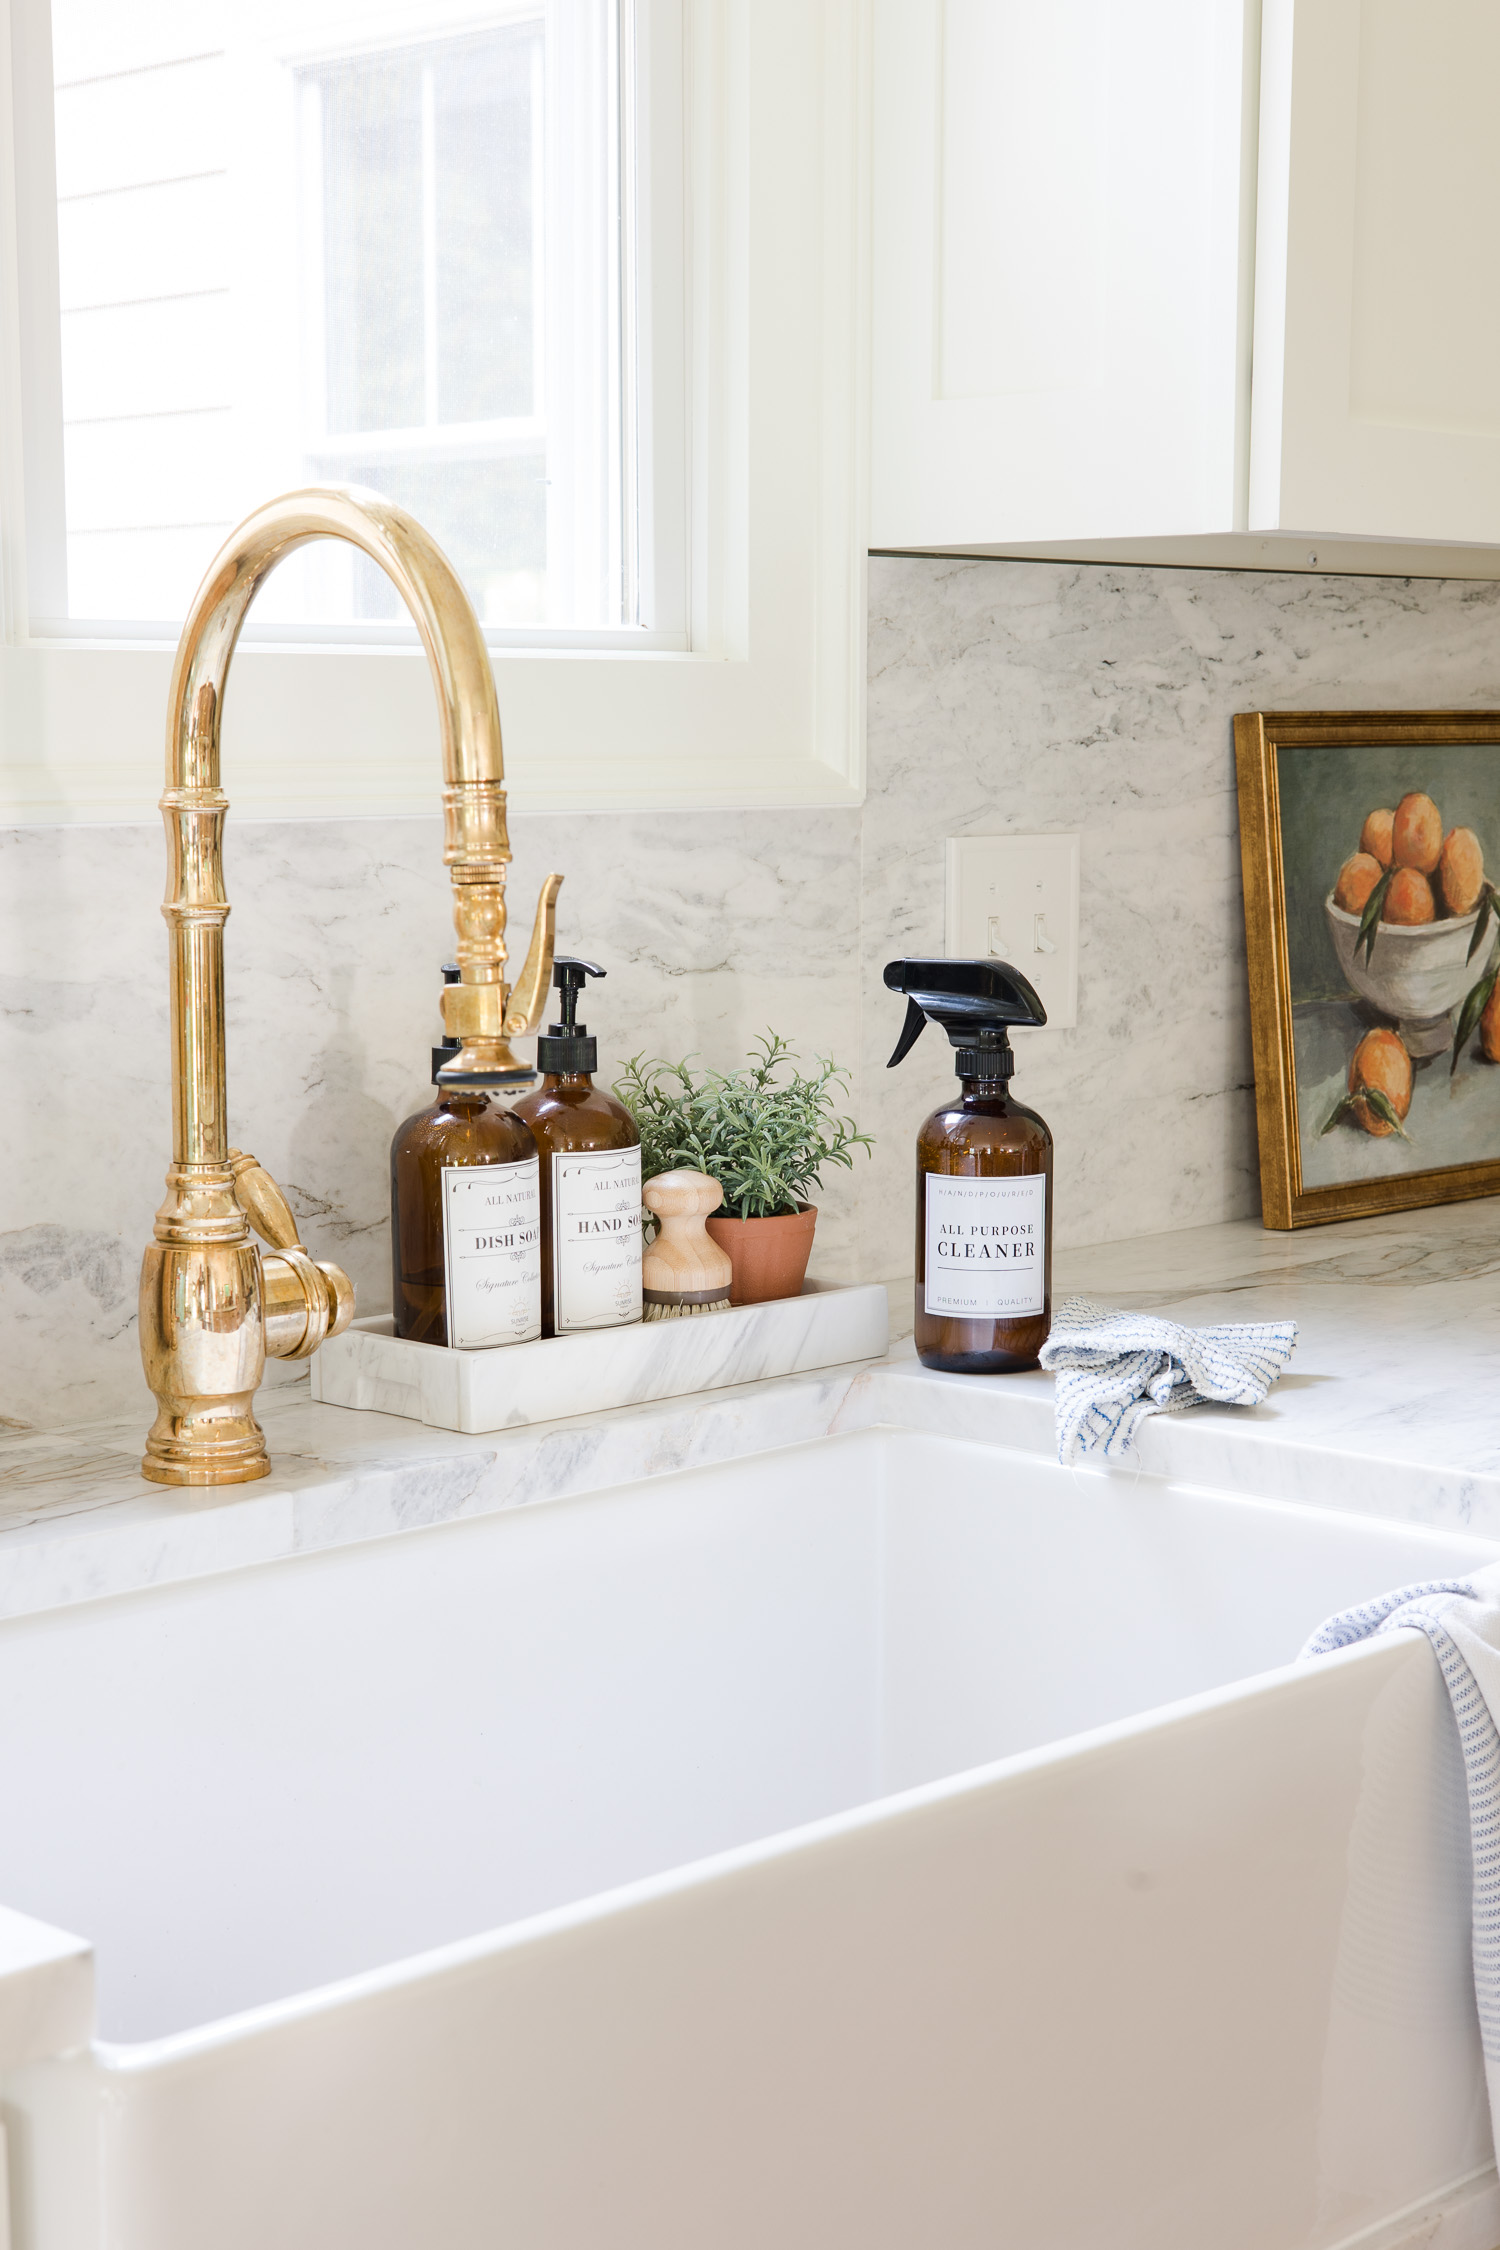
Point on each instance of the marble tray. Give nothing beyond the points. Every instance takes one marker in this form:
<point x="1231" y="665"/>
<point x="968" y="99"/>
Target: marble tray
<point x="368" y="1367"/>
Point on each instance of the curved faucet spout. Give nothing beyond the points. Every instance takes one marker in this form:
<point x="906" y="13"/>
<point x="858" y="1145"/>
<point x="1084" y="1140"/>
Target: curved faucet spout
<point x="211" y="1305"/>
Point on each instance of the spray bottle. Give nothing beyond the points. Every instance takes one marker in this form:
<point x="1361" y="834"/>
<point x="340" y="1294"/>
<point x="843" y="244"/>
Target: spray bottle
<point x="984" y="1175"/>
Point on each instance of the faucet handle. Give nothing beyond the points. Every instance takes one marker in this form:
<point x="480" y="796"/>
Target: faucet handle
<point x="305" y="1300"/>
<point x="528" y="996"/>
<point x="263" y="1203"/>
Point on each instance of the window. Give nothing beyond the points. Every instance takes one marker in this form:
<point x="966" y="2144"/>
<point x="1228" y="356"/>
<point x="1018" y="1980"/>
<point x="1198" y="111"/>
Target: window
<point x="300" y="238"/>
<point x="285" y="255"/>
<point x="424" y="244"/>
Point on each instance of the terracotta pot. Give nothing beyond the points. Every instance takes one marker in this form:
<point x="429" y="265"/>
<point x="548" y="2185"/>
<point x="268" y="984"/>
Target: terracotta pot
<point x="769" y="1256"/>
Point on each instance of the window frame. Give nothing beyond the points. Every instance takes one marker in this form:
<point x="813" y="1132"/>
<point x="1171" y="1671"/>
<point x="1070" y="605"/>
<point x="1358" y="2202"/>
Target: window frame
<point x="752" y="186"/>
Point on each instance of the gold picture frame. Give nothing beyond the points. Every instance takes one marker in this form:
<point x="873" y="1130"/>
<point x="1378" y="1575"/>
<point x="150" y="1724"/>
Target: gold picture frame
<point x="1326" y="1150"/>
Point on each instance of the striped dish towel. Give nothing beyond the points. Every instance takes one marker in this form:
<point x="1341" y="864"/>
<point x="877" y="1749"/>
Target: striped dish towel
<point x="1115" y="1368"/>
<point x="1461" y="1618"/>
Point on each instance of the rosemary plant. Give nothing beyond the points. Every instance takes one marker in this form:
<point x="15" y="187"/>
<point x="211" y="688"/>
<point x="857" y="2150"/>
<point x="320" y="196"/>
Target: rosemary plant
<point x="764" y="1132"/>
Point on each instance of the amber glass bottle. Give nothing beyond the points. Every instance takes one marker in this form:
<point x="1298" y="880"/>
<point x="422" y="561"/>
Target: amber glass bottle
<point x="984" y="1176"/>
<point x="590" y="1154"/>
<point x="985" y="1136"/>
<point x="465" y="1221"/>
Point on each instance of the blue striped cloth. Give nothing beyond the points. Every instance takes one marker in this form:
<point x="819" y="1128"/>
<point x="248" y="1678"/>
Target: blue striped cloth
<point x="1461" y="1618"/>
<point x="1115" y="1368"/>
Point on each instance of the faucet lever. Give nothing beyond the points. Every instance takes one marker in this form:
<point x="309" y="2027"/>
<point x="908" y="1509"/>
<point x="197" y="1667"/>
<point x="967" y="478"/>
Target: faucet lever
<point x="263" y="1203"/>
<point x="528" y="997"/>
<point x="305" y="1300"/>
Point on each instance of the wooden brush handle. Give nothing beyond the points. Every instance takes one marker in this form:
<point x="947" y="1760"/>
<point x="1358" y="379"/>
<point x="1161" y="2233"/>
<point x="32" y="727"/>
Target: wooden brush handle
<point x="682" y="1261"/>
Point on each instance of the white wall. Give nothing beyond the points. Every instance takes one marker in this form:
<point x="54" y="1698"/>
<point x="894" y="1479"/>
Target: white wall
<point x="1002" y="695"/>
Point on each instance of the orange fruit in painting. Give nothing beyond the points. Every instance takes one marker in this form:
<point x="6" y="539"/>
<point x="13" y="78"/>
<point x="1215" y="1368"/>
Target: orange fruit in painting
<point x="1357" y="878"/>
<point x="1461" y="871"/>
<point x="1382" y="1063"/>
<point x="1417" y="833"/>
<point x="1375" y="836"/>
<point x="1489" y="1027"/>
<point x="1409" y="899"/>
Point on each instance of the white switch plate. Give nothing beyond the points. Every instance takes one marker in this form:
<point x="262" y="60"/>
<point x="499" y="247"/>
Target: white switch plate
<point x="1017" y="897"/>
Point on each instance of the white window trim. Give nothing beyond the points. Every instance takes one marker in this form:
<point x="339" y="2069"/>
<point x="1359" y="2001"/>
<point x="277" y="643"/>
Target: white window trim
<point x="764" y="708"/>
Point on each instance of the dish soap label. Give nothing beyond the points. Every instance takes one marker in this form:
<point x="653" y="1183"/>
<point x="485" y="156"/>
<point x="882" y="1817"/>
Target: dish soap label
<point x="986" y="1244"/>
<point x="492" y="1253"/>
<point x="596" y="1238"/>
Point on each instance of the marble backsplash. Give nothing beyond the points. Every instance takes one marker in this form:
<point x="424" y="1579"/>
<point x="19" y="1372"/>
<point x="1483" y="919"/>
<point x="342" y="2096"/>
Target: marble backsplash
<point x="1032" y="696"/>
<point x="337" y="930"/>
<point x="1003" y="695"/>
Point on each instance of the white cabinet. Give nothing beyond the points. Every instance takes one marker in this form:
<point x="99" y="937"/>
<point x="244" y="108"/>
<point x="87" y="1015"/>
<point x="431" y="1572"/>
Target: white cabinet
<point x="1087" y="214"/>
<point x="1055" y="300"/>
<point x="1376" y="405"/>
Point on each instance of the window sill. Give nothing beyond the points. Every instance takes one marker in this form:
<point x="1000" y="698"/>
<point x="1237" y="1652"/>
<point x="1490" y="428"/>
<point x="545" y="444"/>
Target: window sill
<point x="593" y="731"/>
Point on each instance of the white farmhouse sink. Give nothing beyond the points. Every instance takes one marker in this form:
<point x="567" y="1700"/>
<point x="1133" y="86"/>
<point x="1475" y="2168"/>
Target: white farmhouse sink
<point x="753" y="1857"/>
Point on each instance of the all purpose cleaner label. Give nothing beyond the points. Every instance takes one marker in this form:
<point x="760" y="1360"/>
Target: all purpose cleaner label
<point x="492" y="1253"/>
<point x="986" y="1245"/>
<point x="596" y="1238"/>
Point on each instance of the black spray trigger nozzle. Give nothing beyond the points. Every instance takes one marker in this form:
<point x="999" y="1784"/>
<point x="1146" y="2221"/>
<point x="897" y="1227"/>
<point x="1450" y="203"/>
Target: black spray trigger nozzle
<point x="976" y="1002"/>
<point x="911" y="1032"/>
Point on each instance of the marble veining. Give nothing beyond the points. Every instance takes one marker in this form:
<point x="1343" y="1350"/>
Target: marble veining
<point x="710" y="931"/>
<point x="1002" y="695"/>
<point x="505" y="1389"/>
<point x="1387" y="1411"/>
<point x="80" y="1522"/>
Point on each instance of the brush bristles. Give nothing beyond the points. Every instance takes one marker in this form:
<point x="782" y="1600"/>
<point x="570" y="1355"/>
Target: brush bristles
<point x="682" y="1312"/>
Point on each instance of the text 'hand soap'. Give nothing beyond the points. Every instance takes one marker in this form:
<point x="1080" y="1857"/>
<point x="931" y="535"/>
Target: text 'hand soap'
<point x="590" y="1155"/>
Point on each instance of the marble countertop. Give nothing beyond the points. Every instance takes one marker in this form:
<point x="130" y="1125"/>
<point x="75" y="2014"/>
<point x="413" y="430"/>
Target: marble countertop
<point x="1390" y="1407"/>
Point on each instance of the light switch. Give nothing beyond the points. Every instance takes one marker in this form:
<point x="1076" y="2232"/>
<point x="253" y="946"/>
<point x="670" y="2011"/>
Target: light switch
<point x="1017" y="897"/>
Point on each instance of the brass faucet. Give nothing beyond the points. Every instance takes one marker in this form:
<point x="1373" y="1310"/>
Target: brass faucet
<point x="212" y="1303"/>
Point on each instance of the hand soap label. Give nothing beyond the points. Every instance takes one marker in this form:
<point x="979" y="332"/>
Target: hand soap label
<point x="986" y="1246"/>
<point x="596" y="1238"/>
<point x="492" y="1253"/>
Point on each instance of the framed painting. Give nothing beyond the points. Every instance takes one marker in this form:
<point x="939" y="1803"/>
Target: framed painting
<point x="1368" y="841"/>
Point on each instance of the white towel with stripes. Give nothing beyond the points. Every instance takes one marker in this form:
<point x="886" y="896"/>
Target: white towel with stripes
<point x="1461" y="1618"/>
<point x="1115" y="1368"/>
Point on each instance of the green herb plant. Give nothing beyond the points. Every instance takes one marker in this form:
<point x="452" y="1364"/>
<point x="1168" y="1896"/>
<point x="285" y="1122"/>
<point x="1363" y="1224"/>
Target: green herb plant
<point x="764" y="1132"/>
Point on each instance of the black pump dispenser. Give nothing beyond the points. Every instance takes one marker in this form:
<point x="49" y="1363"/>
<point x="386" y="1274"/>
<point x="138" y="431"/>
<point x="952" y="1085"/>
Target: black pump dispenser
<point x="566" y="1047"/>
<point x="447" y="1048"/>
<point x="590" y="1151"/>
<point x="976" y="1002"/>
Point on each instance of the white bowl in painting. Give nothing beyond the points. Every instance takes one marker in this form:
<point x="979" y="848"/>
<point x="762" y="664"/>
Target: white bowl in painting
<point x="1416" y="973"/>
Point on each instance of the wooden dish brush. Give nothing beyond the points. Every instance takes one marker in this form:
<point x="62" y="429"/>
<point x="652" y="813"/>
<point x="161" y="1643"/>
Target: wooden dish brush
<point x="683" y="1272"/>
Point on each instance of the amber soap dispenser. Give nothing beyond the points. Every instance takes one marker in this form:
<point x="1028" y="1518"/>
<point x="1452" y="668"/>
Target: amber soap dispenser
<point x="984" y="1175"/>
<point x="590" y="1156"/>
<point x="466" y="1221"/>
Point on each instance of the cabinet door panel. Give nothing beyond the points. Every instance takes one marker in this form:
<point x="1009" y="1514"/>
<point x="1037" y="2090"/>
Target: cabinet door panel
<point x="1058" y="258"/>
<point x="1377" y="320"/>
